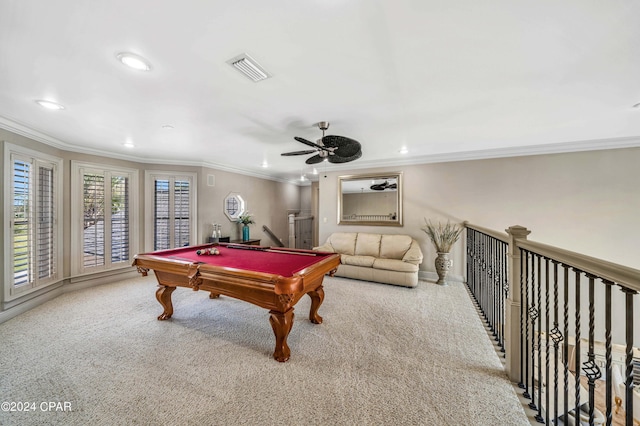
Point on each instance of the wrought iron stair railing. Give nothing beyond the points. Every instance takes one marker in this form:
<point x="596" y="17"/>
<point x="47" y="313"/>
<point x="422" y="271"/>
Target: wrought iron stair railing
<point x="539" y="301"/>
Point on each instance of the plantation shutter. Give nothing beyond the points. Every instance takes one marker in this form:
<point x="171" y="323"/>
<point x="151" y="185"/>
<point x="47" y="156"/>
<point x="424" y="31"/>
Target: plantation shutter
<point x="46" y="220"/>
<point x="33" y="222"/>
<point x="162" y="237"/>
<point x="119" y="219"/>
<point x="22" y="223"/>
<point x="104" y="201"/>
<point x="182" y="219"/>
<point x="94" y="216"/>
<point x="172" y="205"/>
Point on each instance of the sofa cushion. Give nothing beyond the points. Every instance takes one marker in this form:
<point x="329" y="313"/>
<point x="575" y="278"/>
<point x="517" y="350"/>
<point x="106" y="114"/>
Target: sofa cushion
<point x="394" y="246"/>
<point x="344" y="242"/>
<point x="366" y="261"/>
<point x="394" y="265"/>
<point x="368" y="244"/>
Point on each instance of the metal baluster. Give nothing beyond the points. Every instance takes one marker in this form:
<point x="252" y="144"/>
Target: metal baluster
<point x="591" y="370"/>
<point x="576" y="412"/>
<point x="480" y="276"/>
<point x="607" y="332"/>
<point x="533" y="314"/>
<point x="557" y="337"/>
<point x="484" y="277"/>
<point x="494" y="284"/>
<point x="523" y="303"/>
<point x="546" y="330"/>
<point x="476" y="272"/>
<point x="538" y="416"/>
<point x="504" y="291"/>
<point x="628" y="384"/>
<point x="469" y="257"/>
<point x="565" y="348"/>
<point x="491" y="286"/>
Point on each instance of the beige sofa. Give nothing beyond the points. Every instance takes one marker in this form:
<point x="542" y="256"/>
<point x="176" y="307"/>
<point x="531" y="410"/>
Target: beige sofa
<point x="390" y="259"/>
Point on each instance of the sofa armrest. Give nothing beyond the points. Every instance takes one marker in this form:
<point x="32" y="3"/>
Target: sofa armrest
<point x="325" y="247"/>
<point x="414" y="254"/>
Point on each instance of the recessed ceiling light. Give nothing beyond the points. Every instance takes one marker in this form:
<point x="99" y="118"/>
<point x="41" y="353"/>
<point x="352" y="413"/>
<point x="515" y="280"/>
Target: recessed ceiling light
<point x="265" y="164"/>
<point x="315" y="171"/>
<point x="167" y="126"/>
<point x="49" y="104"/>
<point x="404" y="150"/>
<point x="134" y="61"/>
<point x="129" y="145"/>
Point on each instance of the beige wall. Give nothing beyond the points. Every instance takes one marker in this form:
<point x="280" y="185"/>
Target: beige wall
<point x="268" y="201"/>
<point x="588" y="202"/>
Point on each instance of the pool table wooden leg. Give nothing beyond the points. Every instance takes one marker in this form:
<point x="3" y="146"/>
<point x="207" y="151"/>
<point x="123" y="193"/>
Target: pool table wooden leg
<point x="163" y="294"/>
<point x="317" y="296"/>
<point x="281" y="324"/>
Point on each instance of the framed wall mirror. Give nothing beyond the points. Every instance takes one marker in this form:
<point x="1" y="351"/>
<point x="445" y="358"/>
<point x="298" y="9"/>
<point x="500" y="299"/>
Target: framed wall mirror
<point x="234" y="206"/>
<point x="370" y="199"/>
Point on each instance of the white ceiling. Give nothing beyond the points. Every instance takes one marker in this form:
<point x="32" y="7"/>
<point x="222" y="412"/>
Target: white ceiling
<point x="447" y="80"/>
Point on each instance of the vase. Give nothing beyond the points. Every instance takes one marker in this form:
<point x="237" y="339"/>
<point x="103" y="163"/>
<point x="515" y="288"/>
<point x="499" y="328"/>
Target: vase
<point x="245" y="232"/>
<point x="443" y="264"/>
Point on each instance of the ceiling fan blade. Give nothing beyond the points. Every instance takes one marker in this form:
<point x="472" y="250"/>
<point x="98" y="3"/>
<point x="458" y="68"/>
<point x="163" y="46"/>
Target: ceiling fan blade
<point x="315" y="159"/>
<point x="306" y="142"/>
<point x="310" y="151"/>
<point x="345" y="147"/>
<point x="339" y="159"/>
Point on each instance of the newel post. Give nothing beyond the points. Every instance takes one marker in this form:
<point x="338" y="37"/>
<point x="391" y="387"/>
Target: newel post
<point x="292" y="230"/>
<point x="513" y="326"/>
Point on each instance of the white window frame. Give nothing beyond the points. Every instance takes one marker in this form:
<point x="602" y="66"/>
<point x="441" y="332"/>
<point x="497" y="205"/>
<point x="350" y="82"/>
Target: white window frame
<point x="78" y="169"/>
<point x="36" y="158"/>
<point x="150" y="176"/>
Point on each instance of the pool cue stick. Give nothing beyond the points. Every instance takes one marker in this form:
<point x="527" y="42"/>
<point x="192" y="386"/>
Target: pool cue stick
<point x="291" y="252"/>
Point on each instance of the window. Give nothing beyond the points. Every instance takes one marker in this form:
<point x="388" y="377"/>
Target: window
<point x="34" y="203"/>
<point x="104" y="215"/>
<point x="170" y="210"/>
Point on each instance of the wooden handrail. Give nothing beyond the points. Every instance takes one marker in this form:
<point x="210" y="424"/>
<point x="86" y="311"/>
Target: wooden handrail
<point x="618" y="274"/>
<point x="273" y="236"/>
<point x="490" y="232"/>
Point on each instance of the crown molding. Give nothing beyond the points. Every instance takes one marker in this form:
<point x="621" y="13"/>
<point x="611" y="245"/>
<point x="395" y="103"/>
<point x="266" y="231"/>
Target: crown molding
<point x="484" y="154"/>
<point x="27" y="132"/>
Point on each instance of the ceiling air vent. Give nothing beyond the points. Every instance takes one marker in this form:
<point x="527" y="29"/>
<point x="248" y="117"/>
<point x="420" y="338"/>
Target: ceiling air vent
<point x="249" y="67"/>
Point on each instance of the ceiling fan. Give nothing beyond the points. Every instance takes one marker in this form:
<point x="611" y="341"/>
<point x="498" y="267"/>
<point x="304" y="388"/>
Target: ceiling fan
<point x="383" y="186"/>
<point x="335" y="149"/>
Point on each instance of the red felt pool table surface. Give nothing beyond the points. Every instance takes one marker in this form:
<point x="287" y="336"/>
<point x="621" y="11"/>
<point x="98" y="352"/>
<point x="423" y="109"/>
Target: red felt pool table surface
<point x="251" y="258"/>
<point x="271" y="277"/>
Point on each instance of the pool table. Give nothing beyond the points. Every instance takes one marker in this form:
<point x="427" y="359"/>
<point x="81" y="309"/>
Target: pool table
<point x="273" y="278"/>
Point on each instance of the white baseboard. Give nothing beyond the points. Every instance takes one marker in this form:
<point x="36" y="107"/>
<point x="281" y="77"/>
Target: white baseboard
<point x="31" y="303"/>
<point x="79" y="283"/>
<point x="18" y="306"/>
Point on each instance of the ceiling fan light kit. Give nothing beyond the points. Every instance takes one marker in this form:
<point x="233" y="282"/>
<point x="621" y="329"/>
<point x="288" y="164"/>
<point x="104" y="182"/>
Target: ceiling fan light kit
<point x="335" y="149"/>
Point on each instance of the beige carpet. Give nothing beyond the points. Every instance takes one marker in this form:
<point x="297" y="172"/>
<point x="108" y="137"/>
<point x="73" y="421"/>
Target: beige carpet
<point x="384" y="355"/>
